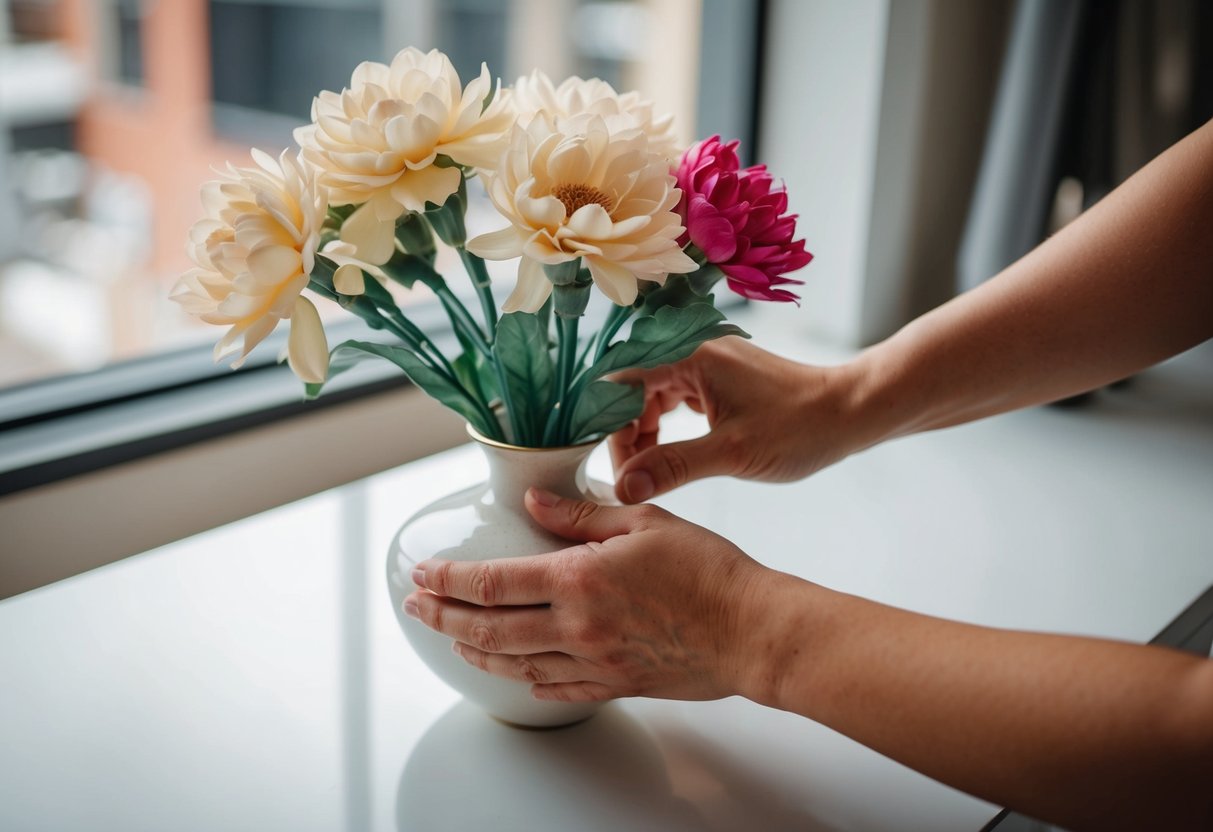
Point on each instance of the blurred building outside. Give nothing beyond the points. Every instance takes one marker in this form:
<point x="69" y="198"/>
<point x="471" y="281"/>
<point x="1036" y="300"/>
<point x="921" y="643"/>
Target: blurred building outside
<point x="113" y="113"/>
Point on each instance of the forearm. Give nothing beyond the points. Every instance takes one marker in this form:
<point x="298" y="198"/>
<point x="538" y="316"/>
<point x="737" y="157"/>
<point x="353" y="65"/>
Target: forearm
<point x="1126" y="285"/>
<point x="1085" y="732"/>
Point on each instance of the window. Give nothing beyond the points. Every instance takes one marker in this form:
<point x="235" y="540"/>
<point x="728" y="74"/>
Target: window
<point x="128" y="29"/>
<point x="102" y="217"/>
<point x="269" y="59"/>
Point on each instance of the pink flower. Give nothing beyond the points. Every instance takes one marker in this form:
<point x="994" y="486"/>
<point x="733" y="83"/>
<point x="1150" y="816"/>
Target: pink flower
<point x="736" y="217"/>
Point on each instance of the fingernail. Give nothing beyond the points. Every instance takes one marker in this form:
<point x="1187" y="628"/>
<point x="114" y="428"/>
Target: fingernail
<point x="410" y="608"/>
<point x="457" y="649"/>
<point x="544" y="498"/>
<point x="419" y="577"/>
<point x="638" y="486"/>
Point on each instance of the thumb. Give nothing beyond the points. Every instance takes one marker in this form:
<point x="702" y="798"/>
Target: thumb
<point x="579" y="520"/>
<point x="663" y="468"/>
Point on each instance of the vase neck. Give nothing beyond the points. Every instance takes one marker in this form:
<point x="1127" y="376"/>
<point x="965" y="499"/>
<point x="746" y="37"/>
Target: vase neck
<point x="513" y="470"/>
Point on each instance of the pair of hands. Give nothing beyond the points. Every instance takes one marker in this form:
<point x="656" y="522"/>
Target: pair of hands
<point x="646" y="604"/>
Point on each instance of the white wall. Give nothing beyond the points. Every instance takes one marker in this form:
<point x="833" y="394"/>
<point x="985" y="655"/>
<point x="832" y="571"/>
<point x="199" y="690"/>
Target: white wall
<point x="818" y="133"/>
<point x="875" y="114"/>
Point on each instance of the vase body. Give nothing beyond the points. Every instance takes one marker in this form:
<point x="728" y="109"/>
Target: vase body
<point x="484" y="522"/>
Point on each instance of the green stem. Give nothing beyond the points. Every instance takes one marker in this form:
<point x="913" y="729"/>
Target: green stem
<point x="460" y="316"/>
<point x="369" y="312"/>
<point x="408" y="332"/>
<point x="422" y="339"/>
<point x="566" y="337"/>
<point x="484" y="289"/>
<point x="520" y="437"/>
<point x="615" y="320"/>
<point x="462" y="319"/>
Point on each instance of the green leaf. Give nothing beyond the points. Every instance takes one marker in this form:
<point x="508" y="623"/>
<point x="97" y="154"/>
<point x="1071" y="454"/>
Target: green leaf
<point x="407" y="269"/>
<point x="544" y="317"/>
<point x="521" y="349"/>
<point x="436" y="384"/>
<point x="476" y="374"/>
<point x="670" y="334"/>
<point x="604" y="407"/>
<point x="678" y="290"/>
<point x="339" y="362"/>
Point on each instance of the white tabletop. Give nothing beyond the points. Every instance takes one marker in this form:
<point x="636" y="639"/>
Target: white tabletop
<point x="254" y="677"/>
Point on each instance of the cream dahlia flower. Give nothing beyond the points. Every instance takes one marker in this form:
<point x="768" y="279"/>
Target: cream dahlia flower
<point x="578" y="191"/>
<point x="376" y="142"/>
<point x="534" y="93"/>
<point x="255" y="249"/>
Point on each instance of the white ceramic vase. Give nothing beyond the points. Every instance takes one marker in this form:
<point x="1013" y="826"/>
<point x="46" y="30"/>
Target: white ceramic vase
<point x="480" y="523"/>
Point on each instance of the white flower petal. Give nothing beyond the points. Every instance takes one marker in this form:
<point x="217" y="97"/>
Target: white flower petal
<point x="616" y="282"/>
<point x="307" y="347"/>
<point x="532" y="289"/>
<point x="433" y="184"/>
<point x="497" y="245"/>
<point x="393" y="121"/>
<point x="373" y="239"/>
<point x="589" y="222"/>
<point x="544" y="212"/>
<point x="348" y="280"/>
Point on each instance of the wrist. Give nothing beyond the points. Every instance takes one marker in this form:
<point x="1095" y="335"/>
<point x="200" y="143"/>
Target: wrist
<point x="875" y="400"/>
<point x="783" y="629"/>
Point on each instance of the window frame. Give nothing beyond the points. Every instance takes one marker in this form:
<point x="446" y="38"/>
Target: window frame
<point x="106" y="444"/>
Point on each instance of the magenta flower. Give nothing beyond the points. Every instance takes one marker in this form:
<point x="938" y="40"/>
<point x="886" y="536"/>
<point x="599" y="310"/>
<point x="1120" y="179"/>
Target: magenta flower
<point x="736" y="218"/>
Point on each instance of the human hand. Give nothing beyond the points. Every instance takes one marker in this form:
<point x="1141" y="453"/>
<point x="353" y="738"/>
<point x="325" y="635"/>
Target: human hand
<point x="646" y="605"/>
<point x="771" y="419"/>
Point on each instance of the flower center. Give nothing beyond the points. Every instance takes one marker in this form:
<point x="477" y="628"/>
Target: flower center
<point x="577" y="196"/>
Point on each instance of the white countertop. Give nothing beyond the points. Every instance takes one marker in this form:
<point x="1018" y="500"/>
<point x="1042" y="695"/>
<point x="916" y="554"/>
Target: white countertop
<point x="254" y="677"/>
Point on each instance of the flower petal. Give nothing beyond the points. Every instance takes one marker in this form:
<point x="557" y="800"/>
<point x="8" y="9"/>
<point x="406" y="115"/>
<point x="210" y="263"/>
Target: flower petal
<point x="532" y="289"/>
<point x="272" y="265"/>
<point x="373" y="238"/>
<point x="589" y="222"/>
<point x="433" y="185"/>
<point x="616" y="282"/>
<point x="497" y="245"/>
<point x="307" y="347"/>
<point x="348" y="280"/>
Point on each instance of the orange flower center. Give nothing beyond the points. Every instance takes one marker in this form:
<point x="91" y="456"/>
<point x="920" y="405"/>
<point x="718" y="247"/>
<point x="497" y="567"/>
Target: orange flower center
<point x="577" y="196"/>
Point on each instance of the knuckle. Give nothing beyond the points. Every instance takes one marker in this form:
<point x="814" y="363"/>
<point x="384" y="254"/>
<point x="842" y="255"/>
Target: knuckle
<point x="589" y="633"/>
<point x="648" y="515"/>
<point x="431" y="613"/>
<point x="676" y="465"/>
<point x="581" y="512"/>
<point x="478" y="659"/>
<point x="483" y="637"/>
<point x="578" y="578"/>
<point x="485" y="588"/>
<point x="439" y="578"/>
<point x="528" y="671"/>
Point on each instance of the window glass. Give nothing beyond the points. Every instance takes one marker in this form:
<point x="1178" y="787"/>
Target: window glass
<point x="113" y="112"/>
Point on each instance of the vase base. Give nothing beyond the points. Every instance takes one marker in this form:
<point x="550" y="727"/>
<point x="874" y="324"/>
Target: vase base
<point x="522" y="727"/>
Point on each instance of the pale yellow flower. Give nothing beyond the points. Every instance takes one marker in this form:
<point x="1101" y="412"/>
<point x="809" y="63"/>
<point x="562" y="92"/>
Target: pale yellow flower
<point x="535" y="93"/>
<point x="376" y="142"/>
<point x="578" y="191"/>
<point x="255" y="249"/>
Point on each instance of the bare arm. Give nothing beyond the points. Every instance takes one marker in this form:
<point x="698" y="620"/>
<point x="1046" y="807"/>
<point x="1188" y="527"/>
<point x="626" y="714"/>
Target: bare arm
<point x="1127" y="284"/>
<point x="1091" y="734"/>
<point x="1124" y="286"/>
<point x="1087" y="733"/>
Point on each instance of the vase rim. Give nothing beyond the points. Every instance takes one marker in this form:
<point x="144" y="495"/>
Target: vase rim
<point x="506" y="446"/>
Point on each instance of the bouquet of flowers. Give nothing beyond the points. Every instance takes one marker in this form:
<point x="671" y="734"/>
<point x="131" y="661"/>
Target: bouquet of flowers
<point x="593" y="191"/>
